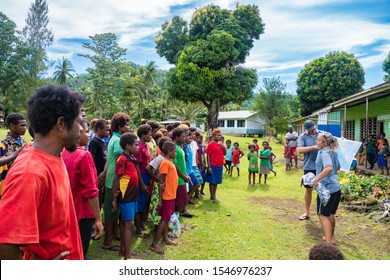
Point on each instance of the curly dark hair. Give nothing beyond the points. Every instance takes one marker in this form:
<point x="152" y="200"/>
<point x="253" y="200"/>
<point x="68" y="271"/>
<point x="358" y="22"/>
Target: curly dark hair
<point x="153" y="124"/>
<point x="100" y="123"/>
<point x="14" y="118"/>
<point x="143" y="129"/>
<point x="325" y="251"/>
<point x="51" y="102"/>
<point x="163" y="140"/>
<point x="168" y="146"/>
<point x="177" y="132"/>
<point x="119" y="120"/>
<point x="127" y="138"/>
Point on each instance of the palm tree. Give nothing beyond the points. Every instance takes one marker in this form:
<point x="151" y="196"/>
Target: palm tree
<point x="63" y="71"/>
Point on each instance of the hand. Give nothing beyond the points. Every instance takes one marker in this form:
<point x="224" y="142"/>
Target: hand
<point x="99" y="229"/>
<point x="162" y="186"/>
<point x="159" y="204"/>
<point x="315" y="182"/>
<point x="114" y="206"/>
<point x="209" y="171"/>
<point x="102" y="178"/>
<point x="143" y="188"/>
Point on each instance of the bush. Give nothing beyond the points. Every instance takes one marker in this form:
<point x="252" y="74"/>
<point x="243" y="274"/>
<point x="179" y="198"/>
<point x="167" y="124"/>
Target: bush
<point x="362" y="187"/>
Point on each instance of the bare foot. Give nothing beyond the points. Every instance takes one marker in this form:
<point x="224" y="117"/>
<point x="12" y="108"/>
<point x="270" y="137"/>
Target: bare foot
<point x="332" y="242"/>
<point x="169" y="242"/>
<point x="157" y="249"/>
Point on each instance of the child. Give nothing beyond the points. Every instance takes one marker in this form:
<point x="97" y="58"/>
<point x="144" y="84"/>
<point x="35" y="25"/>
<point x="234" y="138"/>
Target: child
<point x="167" y="195"/>
<point x="370" y="151"/>
<point x="383" y="155"/>
<point x="256" y="146"/>
<point x="228" y="157"/>
<point x="287" y="154"/>
<point x="236" y="155"/>
<point x="362" y="153"/>
<point x="194" y="184"/>
<point x="271" y="160"/>
<point x="253" y="167"/>
<point x="265" y="155"/>
<point x="201" y="161"/>
<point x="125" y="190"/>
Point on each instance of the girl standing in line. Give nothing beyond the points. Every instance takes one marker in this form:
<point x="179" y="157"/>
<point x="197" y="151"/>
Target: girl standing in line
<point x="265" y="155"/>
<point x="253" y="167"/>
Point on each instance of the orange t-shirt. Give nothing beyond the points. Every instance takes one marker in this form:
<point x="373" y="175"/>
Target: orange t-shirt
<point x="171" y="179"/>
<point x="37" y="207"/>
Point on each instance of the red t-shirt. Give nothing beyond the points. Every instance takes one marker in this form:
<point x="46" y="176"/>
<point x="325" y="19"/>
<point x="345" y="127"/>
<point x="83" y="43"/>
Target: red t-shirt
<point x="143" y="157"/>
<point x="216" y="154"/>
<point x="236" y="156"/>
<point x="83" y="180"/>
<point x="37" y="207"/>
<point x="126" y="166"/>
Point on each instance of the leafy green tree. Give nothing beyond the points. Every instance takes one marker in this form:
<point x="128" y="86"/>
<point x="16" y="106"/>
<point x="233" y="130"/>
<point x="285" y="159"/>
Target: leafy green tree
<point x="273" y="104"/>
<point x="37" y="37"/>
<point x="106" y="75"/>
<point x="327" y="79"/>
<point x="208" y="56"/>
<point x="63" y="71"/>
<point x="386" y="68"/>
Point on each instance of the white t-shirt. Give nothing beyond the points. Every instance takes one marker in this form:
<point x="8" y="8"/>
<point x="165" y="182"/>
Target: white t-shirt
<point x="289" y="136"/>
<point x="194" y="149"/>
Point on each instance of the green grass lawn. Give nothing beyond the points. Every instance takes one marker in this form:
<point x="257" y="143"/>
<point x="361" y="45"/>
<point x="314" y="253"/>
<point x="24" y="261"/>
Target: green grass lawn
<point x="260" y="223"/>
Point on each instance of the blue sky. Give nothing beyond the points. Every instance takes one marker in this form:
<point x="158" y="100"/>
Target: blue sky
<point x="296" y="31"/>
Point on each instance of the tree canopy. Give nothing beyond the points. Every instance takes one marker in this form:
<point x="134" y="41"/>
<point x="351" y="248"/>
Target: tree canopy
<point x="327" y="79"/>
<point x="386" y="68"/>
<point x="208" y="56"/>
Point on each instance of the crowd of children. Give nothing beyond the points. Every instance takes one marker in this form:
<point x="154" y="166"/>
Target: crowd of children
<point x="371" y="152"/>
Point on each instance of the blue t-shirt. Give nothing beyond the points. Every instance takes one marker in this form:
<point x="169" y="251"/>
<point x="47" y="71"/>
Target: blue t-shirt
<point x="228" y="155"/>
<point x="188" y="154"/>
<point x="326" y="158"/>
<point x="309" y="159"/>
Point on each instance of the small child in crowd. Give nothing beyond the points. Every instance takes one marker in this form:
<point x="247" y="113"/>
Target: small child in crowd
<point x="287" y="154"/>
<point x="257" y="148"/>
<point x="228" y="157"/>
<point x="125" y="190"/>
<point x="236" y="155"/>
<point x="271" y="160"/>
<point x="383" y="154"/>
<point x="253" y="167"/>
<point x="265" y="155"/>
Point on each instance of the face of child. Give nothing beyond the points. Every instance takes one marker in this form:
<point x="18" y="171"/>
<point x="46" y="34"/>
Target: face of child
<point x="228" y="144"/>
<point x="181" y="139"/>
<point x="126" y="128"/>
<point x="199" y="140"/>
<point x="172" y="154"/>
<point x="105" y="132"/>
<point x="20" y="128"/>
<point x="218" y="137"/>
<point x="235" y="146"/>
<point x="84" y="135"/>
<point x="321" y="143"/>
<point x="265" y="145"/>
<point x="251" y="149"/>
<point x="147" y="137"/>
<point x="189" y="137"/>
<point x="132" y="148"/>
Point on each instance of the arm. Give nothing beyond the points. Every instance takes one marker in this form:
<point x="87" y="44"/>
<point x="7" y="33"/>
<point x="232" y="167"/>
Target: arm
<point x="223" y="148"/>
<point x="151" y="173"/>
<point x="115" y="192"/>
<point x="161" y="188"/>
<point x="9" y="158"/>
<point x="186" y="178"/>
<point x="209" y="170"/>
<point x="303" y="150"/>
<point x="99" y="229"/>
<point x="140" y="181"/>
<point x="325" y="172"/>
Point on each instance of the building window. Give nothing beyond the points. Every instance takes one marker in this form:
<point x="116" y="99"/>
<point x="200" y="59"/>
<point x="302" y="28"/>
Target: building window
<point x="240" y="123"/>
<point x="372" y="128"/>
<point x="230" y="123"/>
<point x="221" y="123"/>
<point x="350" y="130"/>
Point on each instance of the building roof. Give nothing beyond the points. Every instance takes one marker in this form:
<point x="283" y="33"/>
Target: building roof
<point x="236" y="115"/>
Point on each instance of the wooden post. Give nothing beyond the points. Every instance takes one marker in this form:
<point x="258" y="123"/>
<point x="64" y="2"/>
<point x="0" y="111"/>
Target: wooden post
<point x="345" y="122"/>
<point x="366" y="124"/>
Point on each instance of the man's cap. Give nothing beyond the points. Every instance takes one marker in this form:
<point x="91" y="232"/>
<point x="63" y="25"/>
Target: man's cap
<point x="309" y="125"/>
<point x="290" y="127"/>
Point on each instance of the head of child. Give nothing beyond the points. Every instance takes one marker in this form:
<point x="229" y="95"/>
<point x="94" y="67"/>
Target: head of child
<point x="236" y="145"/>
<point x="189" y="137"/>
<point x="17" y="124"/>
<point x="199" y="137"/>
<point x="326" y="139"/>
<point x="162" y="140"/>
<point x="169" y="149"/>
<point x="325" y="251"/>
<point x="129" y="143"/>
<point x="265" y="145"/>
<point x="228" y="143"/>
<point x="84" y="134"/>
<point x="144" y="132"/>
<point x="251" y="148"/>
<point x="254" y="141"/>
<point x="193" y="132"/>
<point x="120" y="123"/>
<point x="216" y="135"/>
<point x="179" y="135"/>
<point x="158" y="136"/>
<point x="155" y="127"/>
<point x="102" y="129"/>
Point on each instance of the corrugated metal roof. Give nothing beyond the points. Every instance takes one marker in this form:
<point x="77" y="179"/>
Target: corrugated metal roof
<point x="236" y="115"/>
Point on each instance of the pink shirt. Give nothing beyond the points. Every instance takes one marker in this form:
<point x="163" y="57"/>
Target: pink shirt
<point x="143" y="157"/>
<point x="216" y="154"/>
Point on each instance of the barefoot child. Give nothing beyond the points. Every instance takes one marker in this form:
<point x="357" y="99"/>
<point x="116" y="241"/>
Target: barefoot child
<point x="383" y="155"/>
<point x="236" y="155"/>
<point x="228" y="157"/>
<point x="271" y="160"/>
<point x="125" y="190"/>
<point x="167" y="195"/>
<point x="287" y="154"/>
<point x="265" y="155"/>
<point x="253" y="167"/>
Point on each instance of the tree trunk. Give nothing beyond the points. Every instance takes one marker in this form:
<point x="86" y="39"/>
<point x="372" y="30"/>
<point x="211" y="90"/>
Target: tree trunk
<point x="212" y="115"/>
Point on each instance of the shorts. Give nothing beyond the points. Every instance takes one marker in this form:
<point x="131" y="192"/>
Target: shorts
<point x="197" y="174"/>
<point x="236" y="165"/>
<point x="181" y="196"/>
<point x="308" y="171"/>
<point x="264" y="169"/>
<point x="228" y="162"/>
<point x="293" y="151"/>
<point x="216" y="177"/>
<point x="194" y="180"/>
<point x="128" y="210"/>
<point x="143" y="197"/>
<point x="167" y="209"/>
<point x="108" y="197"/>
<point x="382" y="161"/>
<point x="288" y="161"/>
<point x="331" y="206"/>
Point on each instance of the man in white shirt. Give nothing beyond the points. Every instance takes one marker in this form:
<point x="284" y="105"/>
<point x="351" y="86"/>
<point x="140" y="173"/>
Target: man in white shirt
<point x="292" y="136"/>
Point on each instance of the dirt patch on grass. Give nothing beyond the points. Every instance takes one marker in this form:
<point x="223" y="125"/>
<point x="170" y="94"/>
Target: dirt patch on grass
<point x="353" y="231"/>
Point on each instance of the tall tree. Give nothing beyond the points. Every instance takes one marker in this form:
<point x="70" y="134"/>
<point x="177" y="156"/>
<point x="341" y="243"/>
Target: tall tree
<point x="37" y="37"/>
<point x="327" y="79"/>
<point x="208" y="56"/>
<point x="62" y="71"/>
<point x="386" y="68"/>
<point x="109" y="65"/>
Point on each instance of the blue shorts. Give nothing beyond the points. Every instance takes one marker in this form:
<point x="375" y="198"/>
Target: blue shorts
<point x="128" y="210"/>
<point x="197" y="174"/>
<point x="216" y="177"/>
<point x="194" y="180"/>
<point x="143" y="197"/>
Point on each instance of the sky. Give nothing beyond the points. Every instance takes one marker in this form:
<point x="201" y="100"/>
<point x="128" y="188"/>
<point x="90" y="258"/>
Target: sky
<point x="296" y="31"/>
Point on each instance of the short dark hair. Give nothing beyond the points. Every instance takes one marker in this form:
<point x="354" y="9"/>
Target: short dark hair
<point x="250" y="146"/>
<point x="236" y="143"/>
<point x="163" y="140"/>
<point x="153" y="124"/>
<point x="325" y="251"/>
<point x="175" y="124"/>
<point x="127" y="138"/>
<point x="51" y="102"/>
<point x="119" y="120"/>
<point x="168" y="146"/>
<point x="14" y="118"/>
<point x="169" y="127"/>
<point x="228" y="141"/>
<point x="100" y="123"/>
<point x="143" y="129"/>
<point x="192" y="129"/>
<point x="177" y="132"/>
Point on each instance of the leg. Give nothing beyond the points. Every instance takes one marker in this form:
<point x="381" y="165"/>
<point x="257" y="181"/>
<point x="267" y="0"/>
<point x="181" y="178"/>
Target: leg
<point x="160" y="229"/>
<point x="126" y="238"/>
<point x="327" y="228"/>
<point x="249" y="178"/>
<point x="85" y="228"/>
<point x="308" y="197"/>
<point x="254" y="178"/>
<point x="166" y="239"/>
<point x="265" y="178"/>
<point x="238" y="172"/>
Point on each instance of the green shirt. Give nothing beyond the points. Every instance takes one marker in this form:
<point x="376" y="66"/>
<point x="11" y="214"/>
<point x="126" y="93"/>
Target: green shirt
<point x="265" y="153"/>
<point x="180" y="161"/>
<point x="114" y="148"/>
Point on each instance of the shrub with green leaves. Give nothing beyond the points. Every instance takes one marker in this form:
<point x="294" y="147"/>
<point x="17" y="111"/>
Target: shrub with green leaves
<point x="362" y="187"/>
